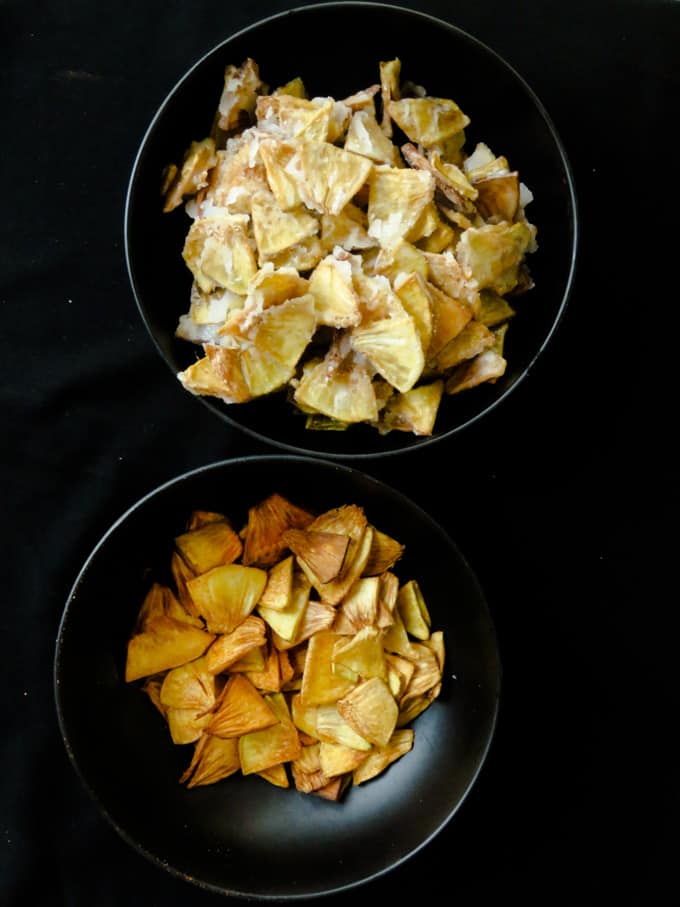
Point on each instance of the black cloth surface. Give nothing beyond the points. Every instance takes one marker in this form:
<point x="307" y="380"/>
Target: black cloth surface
<point x="564" y="500"/>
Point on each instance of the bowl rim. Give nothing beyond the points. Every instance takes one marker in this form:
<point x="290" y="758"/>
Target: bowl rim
<point x="410" y="444"/>
<point x="266" y="459"/>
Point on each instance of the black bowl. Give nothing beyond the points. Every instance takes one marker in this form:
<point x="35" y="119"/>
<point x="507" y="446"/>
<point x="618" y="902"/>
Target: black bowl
<point x="244" y="837"/>
<point x="505" y="113"/>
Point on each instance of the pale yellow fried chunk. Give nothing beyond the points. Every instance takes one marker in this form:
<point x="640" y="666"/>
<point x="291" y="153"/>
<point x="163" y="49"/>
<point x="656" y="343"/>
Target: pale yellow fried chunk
<point x="285" y="622"/>
<point x="335" y="300"/>
<point x="275" y="229"/>
<point x="322" y="552"/>
<point x="239" y="94"/>
<point x="414" y="411"/>
<point x="371" y="710"/>
<point x="165" y="643"/>
<point x="226" y="595"/>
<point x="493" y="253"/>
<point x="394" y="349"/>
<point x="365" y="137"/>
<point x="189" y="686"/>
<point x="429" y="120"/>
<point x="390" y="76"/>
<point x="328" y="177"/>
<point x="219" y="253"/>
<point x="277" y="593"/>
<point x="209" y="545"/>
<point x="475" y="338"/>
<point x="213" y="759"/>
<point x="240" y="709"/>
<point x="260" y="750"/>
<point x="411" y="288"/>
<point x="400" y="743"/>
<point x="397" y="198"/>
<point x="229" y="647"/>
<point x="295" y="117"/>
<point x="198" y="160"/>
<point x="342" y="391"/>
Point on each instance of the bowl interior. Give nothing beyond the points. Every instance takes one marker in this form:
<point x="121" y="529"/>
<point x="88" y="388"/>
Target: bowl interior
<point x="221" y="836"/>
<point x="505" y="114"/>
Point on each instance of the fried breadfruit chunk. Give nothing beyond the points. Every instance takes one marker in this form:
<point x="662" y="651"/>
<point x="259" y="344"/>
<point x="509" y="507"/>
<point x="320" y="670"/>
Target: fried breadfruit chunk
<point x="322" y="552"/>
<point x="199" y="159"/>
<point x="229" y="647"/>
<point x="286" y="622"/>
<point x="414" y="411"/>
<point x="371" y="710"/>
<point x="340" y="389"/>
<point x="240" y="709"/>
<point x="329" y="177"/>
<point x="220" y="253"/>
<point x="164" y="643"/>
<point x="429" y="120"/>
<point x="189" y="686"/>
<point x="209" y="545"/>
<point x="280" y="742"/>
<point x="394" y="349"/>
<point x="239" y="94"/>
<point x="400" y="743"/>
<point x="213" y="759"/>
<point x="267" y="521"/>
<point x="397" y="198"/>
<point x="279" y="589"/>
<point x="226" y="595"/>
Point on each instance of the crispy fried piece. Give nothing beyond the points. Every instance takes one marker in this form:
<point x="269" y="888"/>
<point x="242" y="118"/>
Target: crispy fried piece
<point x="493" y="253"/>
<point x="186" y="725"/>
<point x="227" y="594"/>
<point x="260" y="750"/>
<point x="238" y="175"/>
<point x="359" y="607"/>
<point x="416" y="705"/>
<point x="268" y="678"/>
<point x="384" y="554"/>
<point x="362" y="655"/>
<point x="317" y="617"/>
<point x="396" y="638"/>
<point x="488" y="366"/>
<point x="164" y="643"/>
<point x="371" y="710"/>
<point x="209" y="545"/>
<point x="399" y="673"/>
<point x="213" y="759"/>
<point x="267" y="521"/>
<point x="449" y="317"/>
<point x="223" y="380"/>
<point x="365" y="137"/>
<point x="295" y="117"/>
<point x="413" y="609"/>
<point x="394" y="349"/>
<point x="390" y="75"/>
<point x="411" y="288"/>
<point x="335" y="788"/>
<point x="253" y="660"/>
<point x="294" y="87"/>
<point x="189" y="686"/>
<point x="427" y="672"/>
<point x="287" y="621"/>
<point x="239" y="94"/>
<point x="348" y="229"/>
<point x="400" y="743"/>
<point x="198" y="160"/>
<point x="279" y="589"/>
<point x="397" y="198"/>
<point x="240" y="709"/>
<point x="388" y="587"/>
<point x="340" y="390"/>
<point x="276" y="154"/>
<point x="335" y="300"/>
<point x="219" y="253"/>
<point x="332" y="727"/>
<point x="275" y="229"/>
<point x="427" y="121"/>
<point x="229" y="647"/>
<point x="494" y="308"/>
<point x="348" y="519"/>
<point x="276" y="775"/>
<point x="323" y="553"/>
<point x="498" y="197"/>
<point x="414" y="411"/>
<point x="329" y="177"/>
<point x="401" y="257"/>
<point x="475" y="338"/>
<point x="337" y="758"/>
<point x="320" y="685"/>
<point x="271" y="286"/>
<point x="446" y="273"/>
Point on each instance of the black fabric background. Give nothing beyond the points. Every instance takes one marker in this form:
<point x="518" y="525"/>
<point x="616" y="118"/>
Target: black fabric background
<point x="565" y="502"/>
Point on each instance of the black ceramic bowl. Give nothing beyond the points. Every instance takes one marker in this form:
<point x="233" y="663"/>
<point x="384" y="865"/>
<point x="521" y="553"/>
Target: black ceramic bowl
<point x="505" y="113"/>
<point x="244" y="837"/>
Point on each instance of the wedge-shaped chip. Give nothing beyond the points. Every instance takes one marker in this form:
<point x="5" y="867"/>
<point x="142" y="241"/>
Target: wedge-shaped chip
<point x="209" y="546"/>
<point x="390" y="90"/>
<point x="427" y="672"/>
<point x="229" y="647"/>
<point x="493" y="253"/>
<point x="240" y="709"/>
<point x="414" y="411"/>
<point x="397" y="198"/>
<point x="268" y="678"/>
<point x="446" y="273"/>
<point x="276" y="154"/>
<point x="403" y="257"/>
<point x="498" y="197"/>
<point x="214" y="758"/>
<point x="377" y="299"/>
<point x="416" y="705"/>
<point x="400" y="743"/>
<point x="238" y="175"/>
<point x="343" y="392"/>
<point x="442" y="237"/>
<point x="278" y="743"/>
<point x="359" y="607"/>
<point x="361" y="656"/>
<point x="287" y="621"/>
<point x="348" y="229"/>
<point x="320" y="685"/>
<point x="411" y="289"/>
<point x="219" y="253"/>
<point x="253" y="661"/>
<point x="384" y="554"/>
<point x="272" y="286"/>
<point x="303" y="256"/>
<point x="449" y="317"/>
<point x="226" y="595"/>
<point x="267" y="521"/>
<point x="394" y="348"/>
<point x="388" y="588"/>
<point x="165" y="643"/>
<point x="186" y="725"/>
<point x="328" y="177"/>
<point x="189" y="686"/>
<point x="487" y="366"/>
<point x="276" y="229"/>
<point x="270" y="348"/>
<point x="335" y="300"/>
<point x="472" y="340"/>
<point x="399" y="673"/>
<point x="348" y="519"/>
<point x="304" y="719"/>
<point x="161" y="601"/>
<point x="198" y="160"/>
<point x="413" y="610"/>
<point x="371" y="710"/>
<point x="364" y="99"/>
<point x="337" y="758"/>
<point x="294" y="117"/>
<point x="294" y="87"/>
<point x="396" y="639"/>
<point x="365" y="137"/>
<point x="332" y="727"/>
<point x="323" y="553"/>
<point x="429" y="120"/>
<point x="276" y="775"/>
<point x="306" y="770"/>
<point x="216" y="377"/>
<point x="494" y="308"/>
<point x="317" y="617"/>
<point x="335" y="788"/>
<point x="279" y="589"/>
<point x="426" y="224"/>
<point x="239" y="94"/>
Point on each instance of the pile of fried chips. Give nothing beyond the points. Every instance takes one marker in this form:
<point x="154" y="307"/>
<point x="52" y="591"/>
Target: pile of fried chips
<point x="350" y="253"/>
<point x="288" y="649"/>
